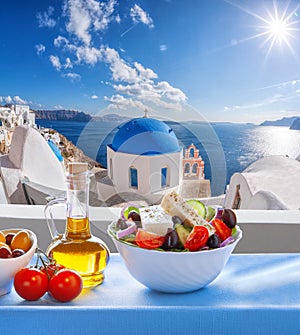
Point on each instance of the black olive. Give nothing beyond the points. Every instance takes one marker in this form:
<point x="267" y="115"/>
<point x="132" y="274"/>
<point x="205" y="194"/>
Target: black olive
<point x="229" y="218"/>
<point x="171" y="239"/>
<point x="176" y="220"/>
<point x="121" y="224"/>
<point x="213" y="241"/>
<point x="135" y="216"/>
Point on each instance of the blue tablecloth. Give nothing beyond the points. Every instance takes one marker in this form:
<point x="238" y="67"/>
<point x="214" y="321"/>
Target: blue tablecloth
<point x="255" y="294"/>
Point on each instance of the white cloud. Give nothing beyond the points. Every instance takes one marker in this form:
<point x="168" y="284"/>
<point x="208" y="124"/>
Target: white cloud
<point x="117" y="101"/>
<point x="121" y="71"/>
<point x="55" y="62"/>
<point x="163" y="47"/>
<point x="40" y="49"/>
<point x="58" y="65"/>
<point x="68" y="64"/>
<point x="140" y="83"/>
<point x="60" y="41"/>
<point x="19" y="100"/>
<point x="8" y="99"/>
<point x="104" y="15"/>
<point x="44" y="19"/>
<point x="118" y="18"/>
<point x="171" y="93"/>
<point x="134" y="84"/>
<point x="16" y="99"/>
<point x="89" y="55"/>
<point x="139" y="15"/>
<point x="145" y="73"/>
<point x="73" y="76"/>
<point x="86" y="15"/>
<point x="149" y="91"/>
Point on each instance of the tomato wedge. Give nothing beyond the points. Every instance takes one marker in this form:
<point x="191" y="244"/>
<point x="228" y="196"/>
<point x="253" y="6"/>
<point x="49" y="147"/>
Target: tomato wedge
<point x="221" y="229"/>
<point x="197" y="238"/>
<point x="148" y="240"/>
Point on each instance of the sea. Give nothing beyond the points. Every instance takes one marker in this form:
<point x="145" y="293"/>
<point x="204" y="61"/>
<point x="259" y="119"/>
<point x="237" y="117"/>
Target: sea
<point x="226" y="148"/>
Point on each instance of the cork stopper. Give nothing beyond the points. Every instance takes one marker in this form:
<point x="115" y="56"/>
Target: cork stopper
<point x="77" y="167"/>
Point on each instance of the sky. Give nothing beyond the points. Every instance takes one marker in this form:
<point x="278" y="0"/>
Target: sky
<point x="218" y="60"/>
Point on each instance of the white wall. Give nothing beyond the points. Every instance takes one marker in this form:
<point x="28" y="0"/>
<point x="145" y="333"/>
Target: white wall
<point x="263" y="231"/>
<point x="149" y="170"/>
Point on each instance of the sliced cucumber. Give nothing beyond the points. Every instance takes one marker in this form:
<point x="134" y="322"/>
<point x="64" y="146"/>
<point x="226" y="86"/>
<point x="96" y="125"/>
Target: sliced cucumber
<point x="127" y="210"/>
<point x="198" y="206"/>
<point x="182" y="233"/>
<point x="210" y="213"/>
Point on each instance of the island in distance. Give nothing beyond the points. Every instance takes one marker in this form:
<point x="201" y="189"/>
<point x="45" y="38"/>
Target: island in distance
<point x="73" y="115"/>
<point x="284" y="122"/>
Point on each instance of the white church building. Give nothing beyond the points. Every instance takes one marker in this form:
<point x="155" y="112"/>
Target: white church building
<point x="144" y="158"/>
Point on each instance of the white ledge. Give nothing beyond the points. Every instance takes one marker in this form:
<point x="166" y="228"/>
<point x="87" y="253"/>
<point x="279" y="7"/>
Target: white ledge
<point x="264" y="231"/>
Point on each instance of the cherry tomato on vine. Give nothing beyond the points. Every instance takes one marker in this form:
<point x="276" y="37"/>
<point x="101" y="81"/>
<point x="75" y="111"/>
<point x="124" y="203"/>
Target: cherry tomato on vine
<point x="197" y="238"/>
<point x="65" y="285"/>
<point x="31" y="283"/>
<point x="51" y="269"/>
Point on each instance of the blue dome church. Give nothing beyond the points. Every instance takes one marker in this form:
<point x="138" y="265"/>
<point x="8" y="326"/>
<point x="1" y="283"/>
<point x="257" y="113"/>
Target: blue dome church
<point x="145" y="157"/>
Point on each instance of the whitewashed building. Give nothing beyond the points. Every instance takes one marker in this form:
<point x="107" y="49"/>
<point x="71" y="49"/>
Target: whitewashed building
<point x="270" y="183"/>
<point x="144" y="158"/>
<point x="16" y="115"/>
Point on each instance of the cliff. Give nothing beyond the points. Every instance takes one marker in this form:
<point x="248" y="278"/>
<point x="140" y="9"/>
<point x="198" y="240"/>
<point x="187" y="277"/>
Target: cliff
<point x="284" y="122"/>
<point x="62" y="115"/>
<point x="71" y="153"/>
<point x="296" y="124"/>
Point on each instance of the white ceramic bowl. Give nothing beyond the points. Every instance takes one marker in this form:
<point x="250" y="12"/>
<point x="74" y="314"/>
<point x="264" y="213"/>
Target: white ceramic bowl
<point x="175" y="272"/>
<point x="10" y="266"/>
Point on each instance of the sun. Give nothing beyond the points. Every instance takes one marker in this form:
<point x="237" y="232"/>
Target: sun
<point x="278" y="30"/>
<point x="277" y="27"/>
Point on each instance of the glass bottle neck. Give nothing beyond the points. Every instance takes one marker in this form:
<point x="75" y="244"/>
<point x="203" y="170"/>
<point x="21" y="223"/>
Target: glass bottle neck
<point x="77" y="225"/>
<point x="78" y="228"/>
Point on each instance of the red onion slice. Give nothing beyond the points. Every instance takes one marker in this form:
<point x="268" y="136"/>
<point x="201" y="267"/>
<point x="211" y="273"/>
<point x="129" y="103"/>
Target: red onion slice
<point x="219" y="212"/>
<point x="131" y="229"/>
<point x="228" y="240"/>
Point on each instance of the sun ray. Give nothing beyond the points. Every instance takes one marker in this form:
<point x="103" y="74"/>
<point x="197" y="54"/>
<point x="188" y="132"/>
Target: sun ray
<point x="278" y="27"/>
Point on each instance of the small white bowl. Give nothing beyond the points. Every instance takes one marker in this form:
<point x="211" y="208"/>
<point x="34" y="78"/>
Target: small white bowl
<point x="10" y="266"/>
<point x="175" y="272"/>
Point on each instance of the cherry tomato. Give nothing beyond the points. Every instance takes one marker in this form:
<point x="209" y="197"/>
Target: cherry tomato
<point x="221" y="229"/>
<point x="148" y="240"/>
<point x="65" y="285"/>
<point x="30" y="283"/>
<point x="51" y="269"/>
<point x="197" y="238"/>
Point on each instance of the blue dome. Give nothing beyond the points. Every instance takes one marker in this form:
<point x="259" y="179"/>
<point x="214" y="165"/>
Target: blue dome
<point x="145" y="136"/>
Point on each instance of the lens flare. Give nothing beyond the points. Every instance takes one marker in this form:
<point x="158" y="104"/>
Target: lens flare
<point x="278" y="26"/>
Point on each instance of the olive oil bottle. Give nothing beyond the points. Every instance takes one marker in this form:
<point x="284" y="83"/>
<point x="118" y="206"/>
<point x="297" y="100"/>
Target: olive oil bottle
<point x="77" y="248"/>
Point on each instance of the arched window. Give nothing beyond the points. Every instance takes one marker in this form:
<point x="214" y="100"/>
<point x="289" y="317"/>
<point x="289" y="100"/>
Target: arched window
<point x="194" y="169"/>
<point x="187" y="168"/>
<point x="164" y="176"/>
<point x="133" y="175"/>
<point x="192" y="152"/>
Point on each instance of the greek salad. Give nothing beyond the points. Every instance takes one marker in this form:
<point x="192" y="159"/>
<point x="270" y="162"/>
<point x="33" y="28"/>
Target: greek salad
<point x="176" y="225"/>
